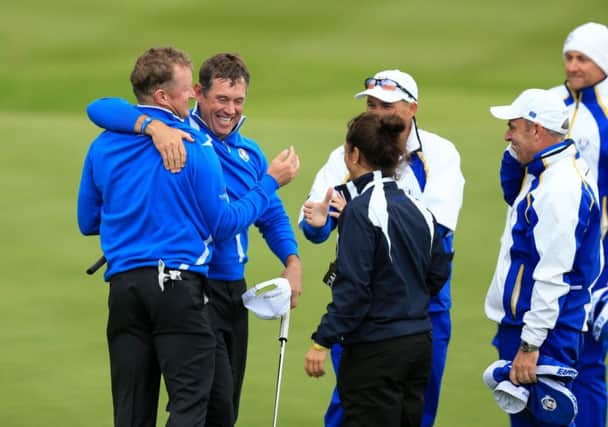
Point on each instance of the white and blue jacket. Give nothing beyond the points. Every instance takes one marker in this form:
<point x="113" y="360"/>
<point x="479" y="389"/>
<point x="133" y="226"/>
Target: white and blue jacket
<point x="550" y="252"/>
<point x="433" y="176"/>
<point x="144" y="213"/>
<point x="589" y="130"/>
<point x="243" y="164"/>
<point x="389" y="260"/>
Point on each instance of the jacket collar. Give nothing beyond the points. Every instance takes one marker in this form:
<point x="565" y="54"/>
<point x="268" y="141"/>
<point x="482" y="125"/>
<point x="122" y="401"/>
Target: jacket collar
<point x="160" y="112"/>
<point x="550" y="155"/>
<point x="587" y="94"/>
<point x="413" y="142"/>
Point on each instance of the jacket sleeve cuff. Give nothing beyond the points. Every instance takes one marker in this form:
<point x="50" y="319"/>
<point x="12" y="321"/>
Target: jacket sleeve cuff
<point x="534" y="336"/>
<point x="269" y="184"/>
<point x="317" y="234"/>
<point x="323" y="341"/>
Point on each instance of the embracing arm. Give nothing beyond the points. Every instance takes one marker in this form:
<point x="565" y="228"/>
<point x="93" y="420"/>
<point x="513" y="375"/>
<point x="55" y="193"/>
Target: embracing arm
<point x="227" y="218"/>
<point x="117" y="114"/>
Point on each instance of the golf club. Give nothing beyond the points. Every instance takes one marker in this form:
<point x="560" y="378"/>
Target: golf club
<point x="283" y="332"/>
<point x="97" y="265"/>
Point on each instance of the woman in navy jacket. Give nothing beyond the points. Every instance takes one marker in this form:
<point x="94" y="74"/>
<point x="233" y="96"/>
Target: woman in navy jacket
<point x="389" y="261"/>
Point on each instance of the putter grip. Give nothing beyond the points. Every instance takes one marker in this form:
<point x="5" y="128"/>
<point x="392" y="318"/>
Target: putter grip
<point x="284" y="331"/>
<point x="92" y="269"/>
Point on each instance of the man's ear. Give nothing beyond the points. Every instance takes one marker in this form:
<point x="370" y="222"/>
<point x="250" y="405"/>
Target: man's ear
<point x="198" y="90"/>
<point x="413" y="108"/>
<point x="160" y="97"/>
<point x="538" y="129"/>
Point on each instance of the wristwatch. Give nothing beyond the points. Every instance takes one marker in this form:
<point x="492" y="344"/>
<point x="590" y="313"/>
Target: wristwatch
<point x="527" y="348"/>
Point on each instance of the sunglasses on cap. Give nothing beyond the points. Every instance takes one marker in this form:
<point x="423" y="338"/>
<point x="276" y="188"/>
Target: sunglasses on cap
<point x="387" y="84"/>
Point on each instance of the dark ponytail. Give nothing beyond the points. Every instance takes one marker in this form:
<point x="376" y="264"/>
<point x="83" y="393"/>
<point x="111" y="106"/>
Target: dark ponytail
<point x="378" y="139"/>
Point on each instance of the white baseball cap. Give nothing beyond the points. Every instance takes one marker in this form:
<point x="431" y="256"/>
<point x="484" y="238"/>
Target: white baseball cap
<point x="391" y="86"/>
<point x="591" y="39"/>
<point x="270" y="299"/>
<point x="539" y="106"/>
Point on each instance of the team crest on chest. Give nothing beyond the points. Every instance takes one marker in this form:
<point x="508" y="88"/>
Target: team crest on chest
<point x="583" y="143"/>
<point x="243" y="154"/>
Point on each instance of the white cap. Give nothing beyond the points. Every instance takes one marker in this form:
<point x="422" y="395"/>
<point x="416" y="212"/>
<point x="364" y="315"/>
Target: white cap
<point x="510" y="397"/>
<point x="270" y="299"/>
<point x="590" y="39"/>
<point x="539" y="106"/>
<point x="402" y="79"/>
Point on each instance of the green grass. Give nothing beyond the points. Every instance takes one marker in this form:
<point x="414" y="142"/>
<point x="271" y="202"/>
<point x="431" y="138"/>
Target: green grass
<point x="307" y="60"/>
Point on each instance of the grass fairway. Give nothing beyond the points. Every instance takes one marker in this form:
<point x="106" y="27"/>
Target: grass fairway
<point x="307" y="60"/>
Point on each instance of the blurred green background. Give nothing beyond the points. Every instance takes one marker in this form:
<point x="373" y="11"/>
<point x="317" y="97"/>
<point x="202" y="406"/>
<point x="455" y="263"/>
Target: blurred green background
<point x="307" y="59"/>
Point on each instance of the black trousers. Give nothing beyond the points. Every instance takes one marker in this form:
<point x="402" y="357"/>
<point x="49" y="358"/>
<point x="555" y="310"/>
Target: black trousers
<point x="229" y="319"/>
<point x="152" y="332"/>
<point x="382" y="383"/>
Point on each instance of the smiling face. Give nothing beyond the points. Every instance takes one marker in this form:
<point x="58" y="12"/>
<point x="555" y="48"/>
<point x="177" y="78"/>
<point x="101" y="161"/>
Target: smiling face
<point x="221" y="107"/>
<point x="581" y="71"/>
<point x="520" y="134"/>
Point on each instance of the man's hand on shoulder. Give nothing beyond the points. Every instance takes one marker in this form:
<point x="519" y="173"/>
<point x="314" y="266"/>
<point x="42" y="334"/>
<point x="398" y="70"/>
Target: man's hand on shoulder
<point x="169" y="143"/>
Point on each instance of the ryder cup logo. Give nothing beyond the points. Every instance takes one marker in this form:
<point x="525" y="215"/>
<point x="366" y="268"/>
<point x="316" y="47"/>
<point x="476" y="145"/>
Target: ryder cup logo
<point x="583" y="143"/>
<point x="549" y="403"/>
<point x="243" y="154"/>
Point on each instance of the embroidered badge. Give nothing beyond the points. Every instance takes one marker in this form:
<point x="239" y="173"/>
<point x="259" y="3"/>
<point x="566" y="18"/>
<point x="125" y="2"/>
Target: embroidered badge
<point x="583" y="143"/>
<point x="243" y="154"/>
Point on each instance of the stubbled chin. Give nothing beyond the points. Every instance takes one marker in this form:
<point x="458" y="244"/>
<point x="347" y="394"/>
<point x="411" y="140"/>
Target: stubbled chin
<point x="575" y="83"/>
<point x="223" y="125"/>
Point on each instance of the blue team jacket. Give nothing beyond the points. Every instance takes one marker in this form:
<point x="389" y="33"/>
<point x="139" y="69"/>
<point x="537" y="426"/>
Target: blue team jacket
<point x="243" y="164"/>
<point x="144" y="213"/>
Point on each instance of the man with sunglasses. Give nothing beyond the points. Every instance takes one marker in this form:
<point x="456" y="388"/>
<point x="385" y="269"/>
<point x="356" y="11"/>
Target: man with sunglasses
<point x="432" y="175"/>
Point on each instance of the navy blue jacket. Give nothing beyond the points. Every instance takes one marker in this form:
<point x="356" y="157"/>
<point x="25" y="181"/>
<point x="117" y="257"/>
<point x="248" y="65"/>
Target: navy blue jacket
<point x="390" y="259"/>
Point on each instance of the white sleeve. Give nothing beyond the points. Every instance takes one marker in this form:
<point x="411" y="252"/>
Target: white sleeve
<point x="556" y="246"/>
<point x="444" y="188"/>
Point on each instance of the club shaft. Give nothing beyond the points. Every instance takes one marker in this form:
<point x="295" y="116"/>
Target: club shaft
<point x="278" y="390"/>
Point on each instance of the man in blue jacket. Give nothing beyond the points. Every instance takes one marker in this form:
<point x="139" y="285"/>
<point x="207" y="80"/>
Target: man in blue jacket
<point x="157" y="233"/>
<point x="220" y="95"/>
<point x="550" y="254"/>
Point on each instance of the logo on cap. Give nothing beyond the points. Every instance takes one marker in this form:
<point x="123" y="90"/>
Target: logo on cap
<point x="549" y="403"/>
<point x="532" y="114"/>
